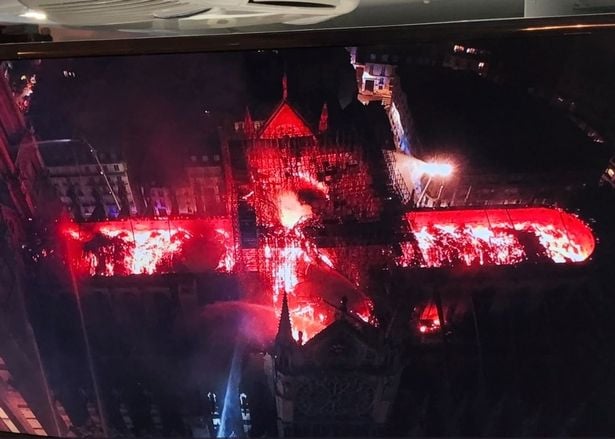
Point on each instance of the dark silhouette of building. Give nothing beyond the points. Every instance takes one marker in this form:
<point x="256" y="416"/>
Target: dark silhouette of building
<point x="342" y="382"/>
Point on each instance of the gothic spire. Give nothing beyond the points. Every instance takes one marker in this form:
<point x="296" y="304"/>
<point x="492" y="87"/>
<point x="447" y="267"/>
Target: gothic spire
<point x="285" y="333"/>
<point x="284" y="87"/>
<point x="248" y="124"/>
<point x="323" y="125"/>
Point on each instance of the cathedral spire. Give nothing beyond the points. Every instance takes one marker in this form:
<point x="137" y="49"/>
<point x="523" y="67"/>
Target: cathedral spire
<point x="248" y="124"/>
<point x="284" y="86"/>
<point x="323" y="125"/>
<point x="285" y="333"/>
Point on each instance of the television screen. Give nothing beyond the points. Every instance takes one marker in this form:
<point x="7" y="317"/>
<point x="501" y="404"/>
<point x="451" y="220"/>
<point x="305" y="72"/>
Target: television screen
<point x="386" y="240"/>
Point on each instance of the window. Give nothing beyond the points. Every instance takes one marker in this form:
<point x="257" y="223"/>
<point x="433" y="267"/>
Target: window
<point x="216" y="157"/>
<point x="116" y="167"/>
<point x="193" y="158"/>
<point x="7" y="421"/>
<point x="205" y="158"/>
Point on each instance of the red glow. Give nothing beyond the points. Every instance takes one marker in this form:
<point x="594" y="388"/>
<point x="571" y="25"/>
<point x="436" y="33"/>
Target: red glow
<point x="496" y="237"/>
<point x="285" y="122"/>
<point x="117" y="248"/>
<point x="429" y="322"/>
<point x="288" y="260"/>
<point x="288" y="255"/>
<point x="291" y="210"/>
<point x="293" y="184"/>
<point x="291" y="189"/>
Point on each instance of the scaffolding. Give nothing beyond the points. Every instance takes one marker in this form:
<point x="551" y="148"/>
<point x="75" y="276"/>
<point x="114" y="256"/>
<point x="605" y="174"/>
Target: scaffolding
<point x="336" y="169"/>
<point x="396" y="180"/>
<point x="330" y="182"/>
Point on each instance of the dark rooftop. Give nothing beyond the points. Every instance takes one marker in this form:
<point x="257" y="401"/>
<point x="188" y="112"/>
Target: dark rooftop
<point x="73" y="153"/>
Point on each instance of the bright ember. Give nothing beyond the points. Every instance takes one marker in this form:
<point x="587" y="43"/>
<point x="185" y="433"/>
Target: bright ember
<point x="120" y="248"/>
<point x="496" y="237"/>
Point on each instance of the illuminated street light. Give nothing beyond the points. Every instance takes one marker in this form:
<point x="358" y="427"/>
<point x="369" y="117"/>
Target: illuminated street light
<point x="443" y="170"/>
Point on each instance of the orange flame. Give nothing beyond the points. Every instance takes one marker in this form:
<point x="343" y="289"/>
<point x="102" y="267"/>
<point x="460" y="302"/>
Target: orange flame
<point x="140" y="247"/>
<point x="496" y="237"/>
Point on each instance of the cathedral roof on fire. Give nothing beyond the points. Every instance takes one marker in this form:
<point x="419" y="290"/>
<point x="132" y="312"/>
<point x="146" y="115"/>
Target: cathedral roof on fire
<point x="285" y="121"/>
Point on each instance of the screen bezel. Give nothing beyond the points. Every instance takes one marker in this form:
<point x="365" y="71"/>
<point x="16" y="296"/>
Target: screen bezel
<point x="365" y="36"/>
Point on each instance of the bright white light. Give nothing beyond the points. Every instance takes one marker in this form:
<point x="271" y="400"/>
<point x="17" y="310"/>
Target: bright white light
<point x="291" y="210"/>
<point x="35" y="15"/>
<point x="438" y="169"/>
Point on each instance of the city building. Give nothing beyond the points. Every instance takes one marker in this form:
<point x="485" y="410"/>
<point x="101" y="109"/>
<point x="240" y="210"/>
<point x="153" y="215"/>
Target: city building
<point x="609" y="174"/>
<point x="159" y="201"/>
<point x="17" y="415"/>
<point x="92" y="185"/>
<point x="19" y="144"/>
<point x="491" y="189"/>
<point x="198" y="192"/>
<point x="27" y="404"/>
<point x="468" y="57"/>
<point x="377" y="80"/>
<point x="206" y="179"/>
<point x="471" y="183"/>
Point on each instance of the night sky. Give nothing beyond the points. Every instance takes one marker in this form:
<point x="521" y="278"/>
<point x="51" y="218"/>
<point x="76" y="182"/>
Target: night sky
<point x="155" y="109"/>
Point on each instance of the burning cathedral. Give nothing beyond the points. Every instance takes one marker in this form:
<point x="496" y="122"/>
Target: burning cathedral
<point x="312" y="213"/>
